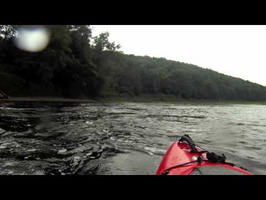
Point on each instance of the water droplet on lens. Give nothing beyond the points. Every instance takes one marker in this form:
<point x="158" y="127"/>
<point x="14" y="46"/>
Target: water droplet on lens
<point x="32" y="38"/>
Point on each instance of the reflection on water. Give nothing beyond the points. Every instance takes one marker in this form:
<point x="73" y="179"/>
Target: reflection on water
<point x="123" y="138"/>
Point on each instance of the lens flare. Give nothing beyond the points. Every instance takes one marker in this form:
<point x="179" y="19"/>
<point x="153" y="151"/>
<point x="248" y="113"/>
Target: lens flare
<point x="32" y="39"/>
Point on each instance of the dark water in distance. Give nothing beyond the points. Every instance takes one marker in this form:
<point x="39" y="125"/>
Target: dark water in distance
<point x="124" y="138"/>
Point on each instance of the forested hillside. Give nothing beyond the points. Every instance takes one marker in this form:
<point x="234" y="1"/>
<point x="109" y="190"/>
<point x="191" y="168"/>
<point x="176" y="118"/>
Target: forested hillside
<point x="135" y="75"/>
<point x="76" y="65"/>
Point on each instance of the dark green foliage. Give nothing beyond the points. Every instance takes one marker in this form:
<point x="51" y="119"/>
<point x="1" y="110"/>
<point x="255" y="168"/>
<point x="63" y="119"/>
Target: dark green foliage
<point x="11" y="83"/>
<point x="64" y="68"/>
<point x="6" y="32"/>
<point x="101" y="43"/>
<point x="136" y="75"/>
<point x="71" y="67"/>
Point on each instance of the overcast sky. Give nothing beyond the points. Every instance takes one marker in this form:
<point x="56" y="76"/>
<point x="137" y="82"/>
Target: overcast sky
<point x="235" y="50"/>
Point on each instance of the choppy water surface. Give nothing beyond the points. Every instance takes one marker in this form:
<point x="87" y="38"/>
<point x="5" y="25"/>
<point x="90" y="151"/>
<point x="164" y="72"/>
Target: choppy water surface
<point x="123" y="138"/>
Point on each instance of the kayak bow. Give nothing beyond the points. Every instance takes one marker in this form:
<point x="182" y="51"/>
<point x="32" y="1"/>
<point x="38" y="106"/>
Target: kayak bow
<point x="184" y="157"/>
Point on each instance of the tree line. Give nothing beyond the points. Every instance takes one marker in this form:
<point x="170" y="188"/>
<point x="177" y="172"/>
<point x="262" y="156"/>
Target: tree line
<point x="77" y="65"/>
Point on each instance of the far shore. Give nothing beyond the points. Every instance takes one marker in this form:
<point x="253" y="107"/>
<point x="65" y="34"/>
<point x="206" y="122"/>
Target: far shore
<point x="45" y="99"/>
<point x="144" y="99"/>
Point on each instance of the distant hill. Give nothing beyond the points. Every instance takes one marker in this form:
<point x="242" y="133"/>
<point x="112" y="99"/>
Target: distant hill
<point x="71" y="66"/>
<point x="137" y="75"/>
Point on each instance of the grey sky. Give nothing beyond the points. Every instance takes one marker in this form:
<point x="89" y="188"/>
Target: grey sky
<point x="235" y="50"/>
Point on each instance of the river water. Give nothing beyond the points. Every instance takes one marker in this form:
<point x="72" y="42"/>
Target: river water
<point x="124" y="138"/>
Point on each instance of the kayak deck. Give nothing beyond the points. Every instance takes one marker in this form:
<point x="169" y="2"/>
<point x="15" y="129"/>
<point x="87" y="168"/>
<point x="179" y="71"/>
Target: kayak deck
<point x="179" y="153"/>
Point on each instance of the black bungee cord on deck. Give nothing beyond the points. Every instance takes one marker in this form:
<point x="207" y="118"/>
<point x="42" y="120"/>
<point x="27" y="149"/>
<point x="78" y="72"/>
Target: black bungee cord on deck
<point x="165" y="172"/>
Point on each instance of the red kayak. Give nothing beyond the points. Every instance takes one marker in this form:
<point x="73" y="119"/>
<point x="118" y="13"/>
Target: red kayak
<point x="185" y="158"/>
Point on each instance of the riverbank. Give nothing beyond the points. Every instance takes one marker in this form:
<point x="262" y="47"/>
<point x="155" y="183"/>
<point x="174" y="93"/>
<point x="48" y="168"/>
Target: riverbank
<point x="145" y="99"/>
<point x="45" y="99"/>
<point x="173" y="99"/>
